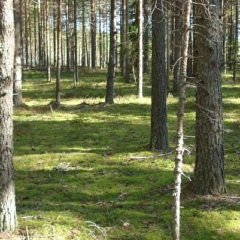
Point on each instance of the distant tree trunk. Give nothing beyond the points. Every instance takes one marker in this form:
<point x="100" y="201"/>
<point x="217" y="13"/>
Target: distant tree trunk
<point x="224" y="44"/>
<point x="127" y="77"/>
<point x="83" y="37"/>
<point x="75" y="45"/>
<point x="123" y="38"/>
<point x="230" y="40"/>
<point x="40" y="39"/>
<point x="48" y="43"/>
<point x="209" y="172"/>
<point x="112" y="52"/>
<point x="145" y="36"/>
<point x="159" y="131"/>
<point x="100" y="36"/>
<point x="93" y="34"/>
<point x="54" y="38"/>
<point x="186" y="12"/>
<point x="140" y="51"/>
<point x="177" y="44"/>
<point x="17" y="81"/>
<point x="59" y="45"/>
<point x="235" y="44"/>
<point x="35" y="34"/>
<point x="67" y="35"/>
<point x="8" y="219"/>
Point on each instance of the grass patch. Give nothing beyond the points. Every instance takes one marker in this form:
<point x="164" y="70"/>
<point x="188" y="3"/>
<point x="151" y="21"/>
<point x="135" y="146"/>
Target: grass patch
<point x="76" y="175"/>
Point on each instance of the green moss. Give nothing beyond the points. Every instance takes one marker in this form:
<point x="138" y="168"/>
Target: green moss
<point x="77" y="171"/>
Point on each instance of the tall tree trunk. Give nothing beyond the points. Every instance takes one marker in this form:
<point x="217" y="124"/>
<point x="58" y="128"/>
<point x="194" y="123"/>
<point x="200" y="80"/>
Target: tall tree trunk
<point x="48" y="43"/>
<point x="186" y="6"/>
<point x="127" y="77"/>
<point x="209" y="172"/>
<point x="54" y="38"/>
<point x="67" y="36"/>
<point x="17" y="81"/>
<point x="59" y="59"/>
<point x="8" y="220"/>
<point x="93" y="34"/>
<point x="75" y="45"/>
<point x="100" y="36"/>
<point x="26" y="34"/>
<point x="35" y="33"/>
<point x="112" y="52"/>
<point x="235" y="44"/>
<point x="83" y="37"/>
<point x="123" y="38"/>
<point x="145" y="36"/>
<point x="140" y="50"/>
<point x="159" y="132"/>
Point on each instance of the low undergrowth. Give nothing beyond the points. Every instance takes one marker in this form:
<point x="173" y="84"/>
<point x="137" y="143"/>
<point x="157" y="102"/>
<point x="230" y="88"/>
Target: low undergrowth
<point x="84" y="171"/>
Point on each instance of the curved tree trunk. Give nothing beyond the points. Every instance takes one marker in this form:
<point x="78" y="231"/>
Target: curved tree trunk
<point x="209" y="166"/>
<point x="8" y="221"/>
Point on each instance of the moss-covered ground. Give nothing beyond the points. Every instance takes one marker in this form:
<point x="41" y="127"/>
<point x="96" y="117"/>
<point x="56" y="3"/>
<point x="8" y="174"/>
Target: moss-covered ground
<point x="84" y="171"/>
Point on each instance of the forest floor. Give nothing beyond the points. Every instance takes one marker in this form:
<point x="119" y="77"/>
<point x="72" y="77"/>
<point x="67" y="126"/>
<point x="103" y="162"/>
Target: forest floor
<point x="84" y="171"/>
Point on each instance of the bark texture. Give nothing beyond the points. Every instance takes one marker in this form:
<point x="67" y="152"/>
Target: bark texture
<point x="209" y="166"/>
<point x="159" y="132"/>
<point x="8" y="221"/>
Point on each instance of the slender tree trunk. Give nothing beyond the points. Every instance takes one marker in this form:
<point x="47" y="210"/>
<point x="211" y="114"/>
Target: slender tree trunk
<point x="75" y="45"/>
<point x="112" y="52"/>
<point x="145" y="36"/>
<point x="123" y="38"/>
<point x="17" y="81"/>
<point x="93" y="34"/>
<point x="100" y="36"/>
<point x="59" y="45"/>
<point x="83" y="37"/>
<point x="140" y="50"/>
<point x="159" y="132"/>
<point x="35" y="34"/>
<point x="235" y="44"/>
<point x="127" y="77"/>
<point x="48" y="43"/>
<point x="54" y="38"/>
<point x="186" y="6"/>
<point x="209" y="172"/>
<point x="224" y="45"/>
<point x="67" y="36"/>
<point x="8" y="220"/>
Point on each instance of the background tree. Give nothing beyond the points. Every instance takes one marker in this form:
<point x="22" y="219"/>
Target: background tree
<point x="17" y="82"/>
<point x="48" y="43"/>
<point x="59" y="59"/>
<point x="159" y="131"/>
<point x="75" y="45"/>
<point x="209" y="173"/>
<point x="140" y="49"/>
<point x="93" y="34"/>
<point x="8" y="221"/>
<point x="112" y="52"/>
